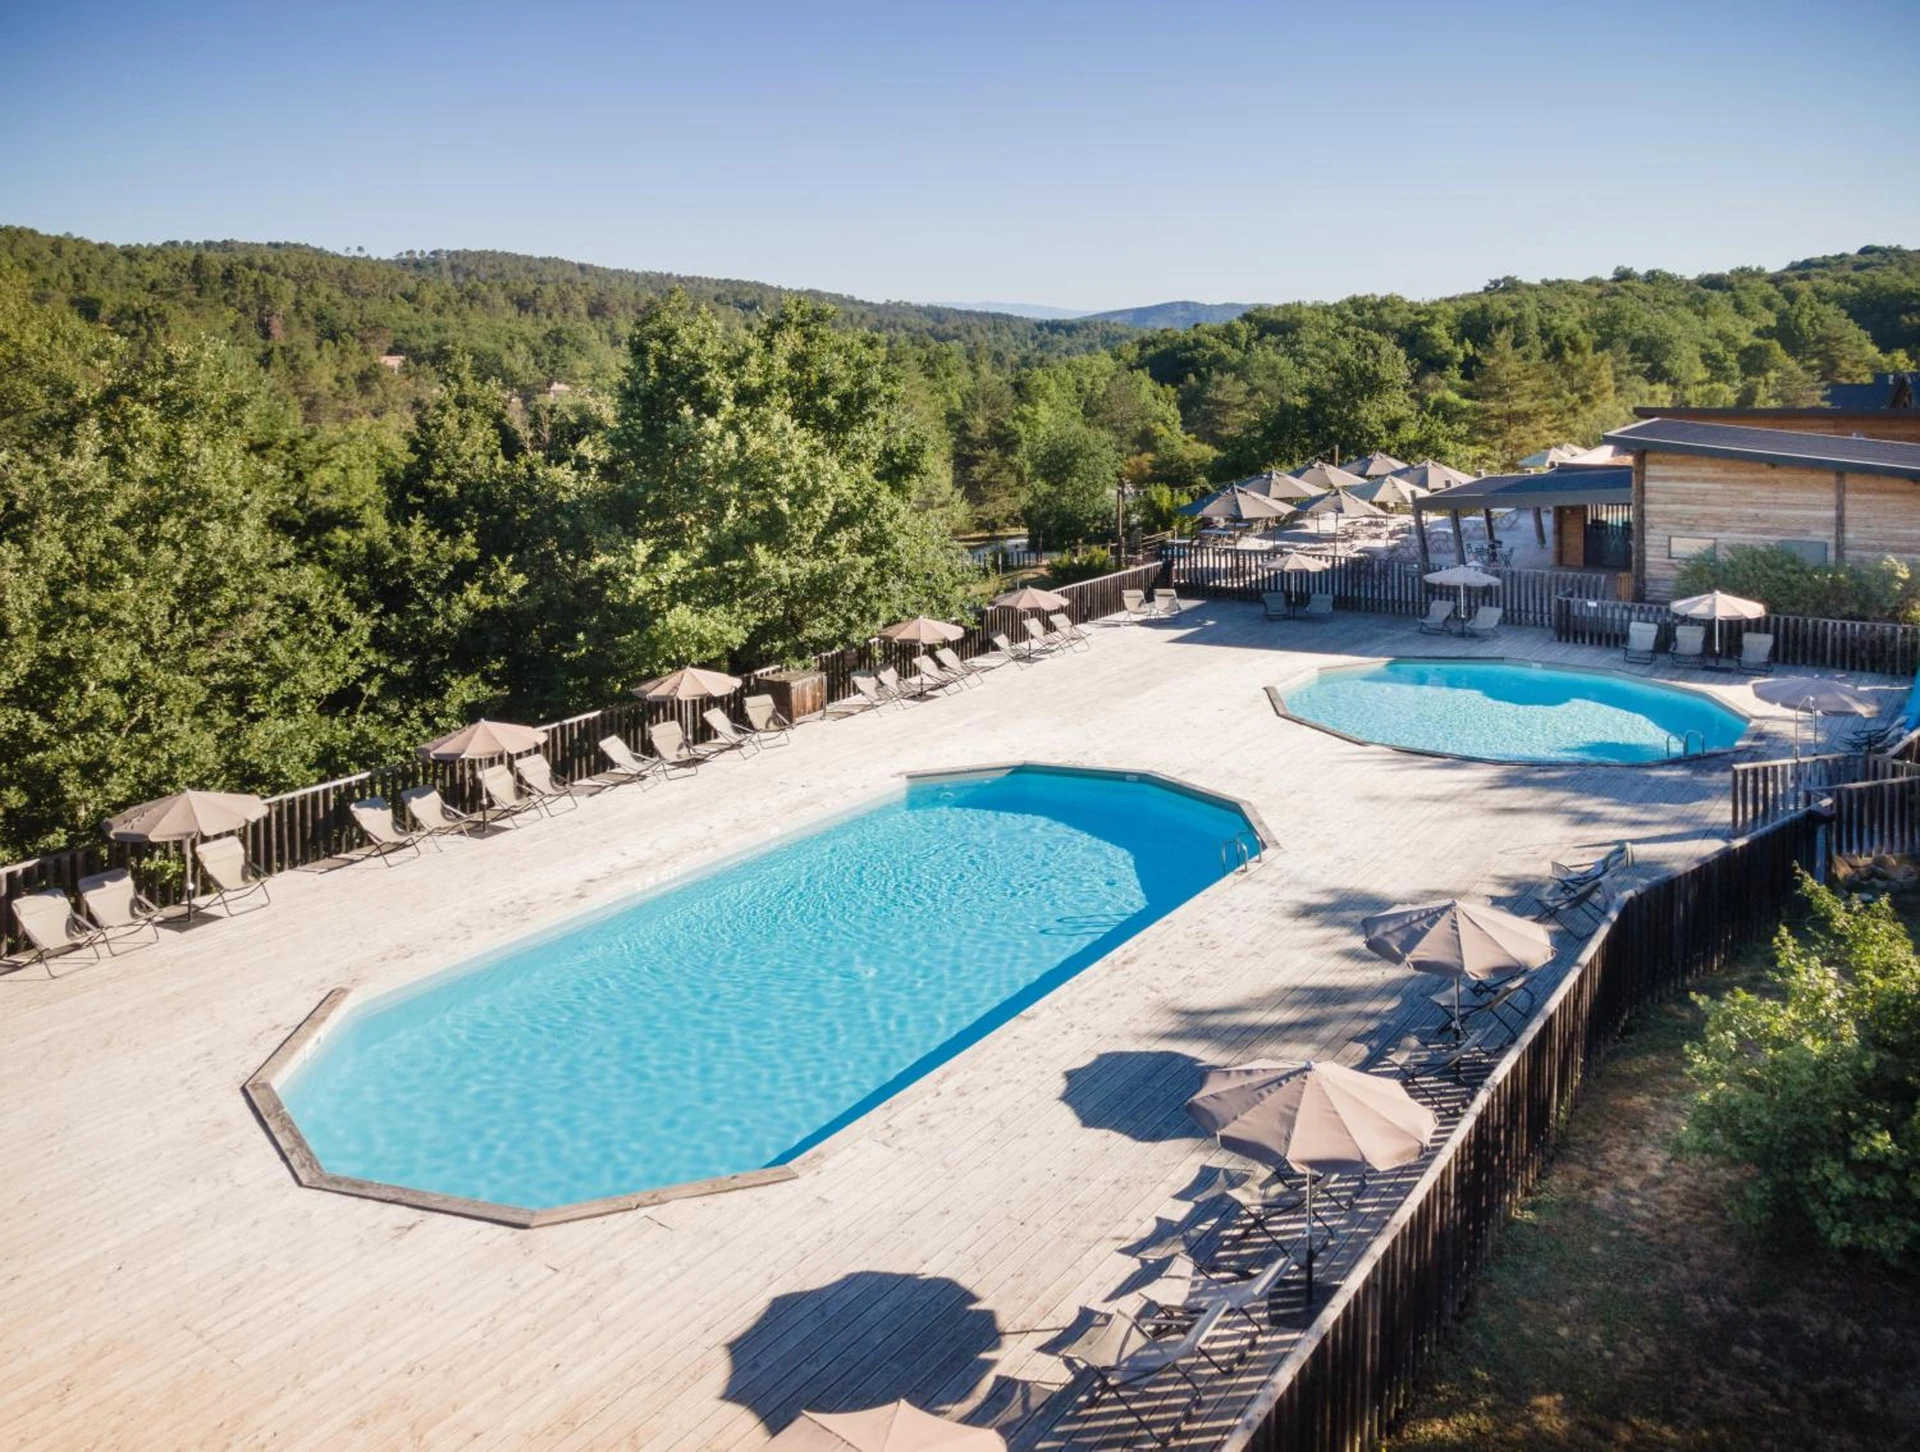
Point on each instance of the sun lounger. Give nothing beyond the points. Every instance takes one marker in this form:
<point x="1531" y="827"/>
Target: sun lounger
<point x="766" y="722"/>
<point x="1616" y="857"/>
<point x="1167" y="600"/>
<point x="1069" y="633"/>
<point x="726" y="736"/>
<point x="1421" y="1065"/>
<point x="928" y="679"/>
<point x="1642" y="636"/>
<point x="1003" y="648"/>
<point x="505" y="800"/>
<point x="670" y="745"/>
<point x="1438" y="617"/>
<point x="962" y="671"/>
<point x="49" y="923"/>
<point x="374" y="818"/>
<point x="1319" y="607"/>
<point x="111" y="903"/>
<point x="1122" y="1357"/>
<point x="1134" y="602"/>
<point x="1486" y="620"/>
<point x="1570" y="904"/>
<point x="898" y="689"/>
<point x="1184" y="1290"/>
<point x="629" y="765"/>
<point x="549" y="791"/>
<point x="1039" y="640"/>
<point x="1756" y="652"/>
<point x="1689" y="645"/>
<point x="432" y="815"/>
<point x="1277" y="604"/>
<point x="224" y="862"/>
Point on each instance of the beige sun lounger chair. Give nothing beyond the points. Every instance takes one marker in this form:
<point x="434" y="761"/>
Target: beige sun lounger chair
<point x="629" y="765"/>
<point x="897" y="689"/>
<point x="432" y="815"/>
<point x="1486" y="620"/>
<point x="726" y="735"/>
<point x="765" y="721"/>
<point x="1756" y="652"/>
<point x="1319" y="607"/>
<point x="670" y="745"/>
<point x="1167" y="600"/>
<point x="49" y="923"/>
<point x="929" y="679"/>
<point x="504" y="799"/>
<point x="962" y="671"/>
<point x="1439" y="615"/>
<point x="374" y="818"/>
<point x="234" y="878"/>
<point x="1123" y="1357"/>
<point x="1642" y="645"/>
<point x="1003" y="648"/>
<point x="1134" y="602"/>
<point x="536" y="775"/>
<point x="110" y="902"/>
<point x="868" y="694"/>
<point x="1039" y="640"/>
<point x="1689" y="644"/>
<point x="1069" y="633"/>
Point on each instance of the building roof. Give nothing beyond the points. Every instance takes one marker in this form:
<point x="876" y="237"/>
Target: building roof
<point x="1879" y="394"/>
<point x="1782" y="448"/>
<point x="1578" y="484"/>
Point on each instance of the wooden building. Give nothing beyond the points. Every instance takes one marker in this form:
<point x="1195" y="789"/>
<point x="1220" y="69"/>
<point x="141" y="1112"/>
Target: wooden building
<point x="1831" y="499"/>
<point x="1592" y="512"/>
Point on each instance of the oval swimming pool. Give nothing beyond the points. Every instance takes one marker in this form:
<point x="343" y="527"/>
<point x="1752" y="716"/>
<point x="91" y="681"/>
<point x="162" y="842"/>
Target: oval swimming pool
<point x="1512" y="711"/>
<point x="730" y="1022"/>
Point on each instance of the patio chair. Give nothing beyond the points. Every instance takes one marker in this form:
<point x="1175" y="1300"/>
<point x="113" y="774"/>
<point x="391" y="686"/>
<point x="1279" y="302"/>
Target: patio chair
<point x="504" y="799"/>
<point x="432" y="815"/>
<point x="49" y="923"/>
<point x="1492" y="1000"/>
<point x="547" y="790"/>
<point x="1689" y="645"/>
<point x="374" y="818"/>
<point x="726" y="736"/>
<point x="110" y="902"/>
<point x="1420" y="1064"/>
<point x="929" y="678"/>
<point x="629" y="765"/>
<point x="1756" y="653"/>
<point x="867" y="696"/>
<point x="1134" y="602"/>
<point x="766" y="722"/>
<point x="1567" y="903"/>
<point x="1439" y="615"/>
<point x="1167" y="600"/>
<point x="224" y="861"/>
<point x="1184" y="1290"/>
<point x="1485" y="622"/>
<point x="1070" y="634"/>
<point x="1642" y="636"/>
<point x="1039" y="640"/>
<point x="670" y="745"/>
<point x="1277" y="603"/>
<point x="1003" y="648"/>
<point x="962" y="671"/>
<point x="898" y="689"/>
<point x="1122" y="1358"/>
<point x="1319" y="607"/>
<point x="1616" y="857"/>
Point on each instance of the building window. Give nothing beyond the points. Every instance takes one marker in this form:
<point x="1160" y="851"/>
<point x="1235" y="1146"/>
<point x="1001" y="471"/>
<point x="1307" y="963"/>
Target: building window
<point x="1686" y="546"/>
<point x="1812" y="551"/>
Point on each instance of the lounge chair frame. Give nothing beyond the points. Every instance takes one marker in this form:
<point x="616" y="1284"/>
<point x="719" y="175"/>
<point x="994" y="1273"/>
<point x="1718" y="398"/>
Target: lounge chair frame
<point x="547" y="790"/>
<point x="766" y="723"/>
<point x="628" y="765"/>
<point x="216" y="859"/>
<point x="1637" y="655"/>
<point x="726" y="735"/>
<point x="143" y="914"/>
<point x="670" y="744"/>
<point x="76" y="931"/>
<point x="380" y="848"/>
<point x="430" y="811"/>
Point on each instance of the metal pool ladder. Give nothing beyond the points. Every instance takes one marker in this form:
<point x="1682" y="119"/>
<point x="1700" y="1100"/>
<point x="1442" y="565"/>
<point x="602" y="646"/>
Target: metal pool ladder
<point x="1686" y="742"/>
<point x="1235" y="857"/>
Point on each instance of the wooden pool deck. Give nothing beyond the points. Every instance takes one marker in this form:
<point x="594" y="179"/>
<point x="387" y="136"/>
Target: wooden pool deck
<point x="166" y="1284"/>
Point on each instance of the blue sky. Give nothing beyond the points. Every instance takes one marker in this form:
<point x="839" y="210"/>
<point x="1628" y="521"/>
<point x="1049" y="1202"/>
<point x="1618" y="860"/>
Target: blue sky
<point x="1086" y="156"/>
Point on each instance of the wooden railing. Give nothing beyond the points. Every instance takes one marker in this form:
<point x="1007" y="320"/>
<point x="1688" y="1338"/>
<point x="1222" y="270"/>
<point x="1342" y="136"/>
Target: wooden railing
<point x="1351" y="1373"/>
<point x="1764" y="791"/>
<point x="1876" y="647"/>
<point x="311" y="824"/>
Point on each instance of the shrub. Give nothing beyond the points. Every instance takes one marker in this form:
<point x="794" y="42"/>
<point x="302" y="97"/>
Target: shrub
<point x="1814" y="1089"/>
<point x="1080" y="565"/>
<point x="1788" y="585"/>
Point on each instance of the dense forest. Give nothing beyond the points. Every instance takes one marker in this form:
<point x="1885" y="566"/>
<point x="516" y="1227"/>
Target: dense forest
<point x="268" y="513"/>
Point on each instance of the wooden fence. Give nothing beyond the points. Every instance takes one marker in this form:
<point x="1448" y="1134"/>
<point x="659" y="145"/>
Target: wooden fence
<point x="1360" y="582"/>
<point x="1877" y="647"/>
<point x="311" y="824"/>
<point x="1763" y="791"/>
<point x="1353" y="1370"/>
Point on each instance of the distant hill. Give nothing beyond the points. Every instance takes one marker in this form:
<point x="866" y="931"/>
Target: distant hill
<point x="1171" y="314"/>
<point x="1015" y="310"/>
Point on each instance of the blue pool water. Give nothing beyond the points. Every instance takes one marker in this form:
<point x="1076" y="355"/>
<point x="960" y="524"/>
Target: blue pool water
<point x="1502" y="712"/>
<point x="732" y="1021"/>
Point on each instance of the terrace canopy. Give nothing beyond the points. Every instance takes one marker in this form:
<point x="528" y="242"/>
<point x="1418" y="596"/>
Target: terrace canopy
<point x="1578" y="495"/>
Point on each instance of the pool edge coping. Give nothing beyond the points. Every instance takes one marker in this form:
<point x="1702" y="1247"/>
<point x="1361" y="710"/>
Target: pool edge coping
<point x="1276" y="697"/>
<point x="262" y="1092"/>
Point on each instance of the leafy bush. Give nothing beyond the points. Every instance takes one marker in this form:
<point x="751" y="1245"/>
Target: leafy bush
<point x="1788" y="585"/>
<point x="1815" y="1092"/>
<point x="1081" y="565"/>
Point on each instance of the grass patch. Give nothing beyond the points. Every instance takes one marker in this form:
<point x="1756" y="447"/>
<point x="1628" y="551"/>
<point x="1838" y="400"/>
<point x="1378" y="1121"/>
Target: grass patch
<point x="1624" y="1309"/>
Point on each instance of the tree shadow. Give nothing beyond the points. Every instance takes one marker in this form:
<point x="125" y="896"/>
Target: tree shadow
<point x="1139" y="1093"/>
<point x="866" y="1339"/>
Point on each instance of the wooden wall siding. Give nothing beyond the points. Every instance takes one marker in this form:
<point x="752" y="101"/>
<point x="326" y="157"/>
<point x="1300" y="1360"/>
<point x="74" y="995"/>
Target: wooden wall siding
<point x="1352" y="1372"/>
<point x="1900" y="425"/>
<point x="1732" y="503"/>
<point x="1883" y="517"/>
<point x="311" y="824"/>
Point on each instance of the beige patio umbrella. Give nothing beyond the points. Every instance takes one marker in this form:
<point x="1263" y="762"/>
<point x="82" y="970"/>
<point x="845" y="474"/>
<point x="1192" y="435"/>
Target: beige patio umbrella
<point x="1328" y="476"/>
<point x="922" y="631"/>
<point x="1339" y="504"/>
<point x="185" y="816"/>
<point x="688" y="684"/>
<point x="1717" y="605"/>
<point x="1031" y="597"/>
<point x="1275" y="485"/>
<point x="1456" y="940"/>
<point x="1388" y="491"/>
<point x="484" y="740"/>
<point x="899" y="1427"/>
<point x="1432" y="475"/>
<point x="1812" y="696"/>
<point x="1375" y="465"/>
<point x="1316" y="1118"/>
<point x="1465" y="578"/>
<point x="1237" y="506"/>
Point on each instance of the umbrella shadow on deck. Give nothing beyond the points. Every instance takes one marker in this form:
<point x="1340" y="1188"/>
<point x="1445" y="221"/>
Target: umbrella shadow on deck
<point x="868" y="1338"/>
<point x="1134" y="1092"/>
